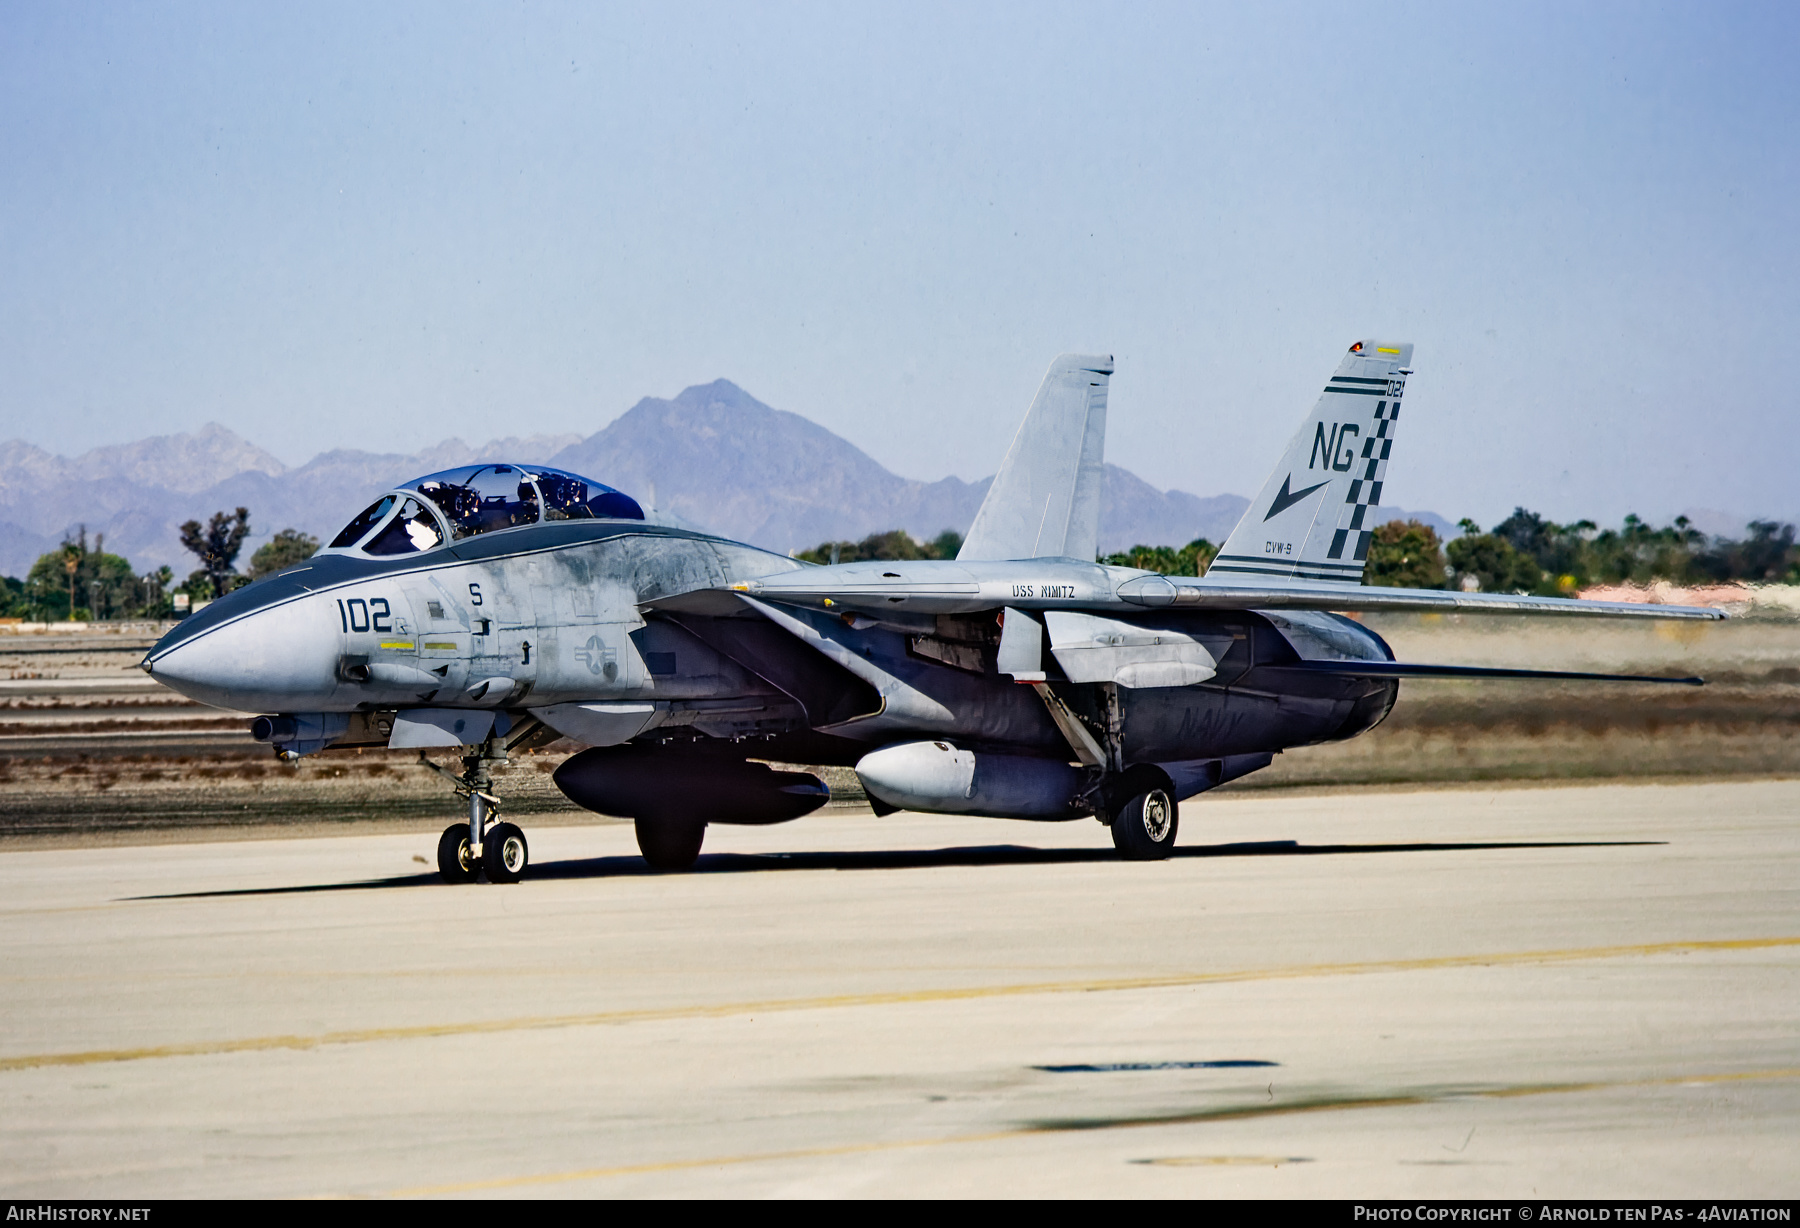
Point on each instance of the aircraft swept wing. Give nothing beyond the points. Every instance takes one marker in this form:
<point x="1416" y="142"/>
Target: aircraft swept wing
<point x="1302" y="544"/>
<point x="928" y="586"/>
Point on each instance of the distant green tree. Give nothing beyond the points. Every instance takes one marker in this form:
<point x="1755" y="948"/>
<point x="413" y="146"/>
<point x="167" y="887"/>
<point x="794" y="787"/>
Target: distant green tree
<point x="286" y="548"/>
<point x="13" y="601"/>
<point x="1525" y="553"/>
<point x="1562" y="551"/>
<point x="217" y="546"/>
<point x="1638" y="553"/>
<point x="154" y="593"/>
<point x="198" y="586"/>
<point x="1767" y="555"/>
<point x="1190" y="560"/>
<point x="894" y="544"/>
<point x="102" y="584"/>
<point x="1573" y="556"/>
<point x="1495" y="563"/>
<point x="1405" y="554"/>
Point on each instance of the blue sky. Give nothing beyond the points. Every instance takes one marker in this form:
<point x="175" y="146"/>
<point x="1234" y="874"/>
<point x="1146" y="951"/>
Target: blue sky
<point x="378" y="226"/>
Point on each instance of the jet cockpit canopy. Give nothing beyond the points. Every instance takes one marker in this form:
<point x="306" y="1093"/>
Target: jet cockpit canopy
<point x="458" y="503"/>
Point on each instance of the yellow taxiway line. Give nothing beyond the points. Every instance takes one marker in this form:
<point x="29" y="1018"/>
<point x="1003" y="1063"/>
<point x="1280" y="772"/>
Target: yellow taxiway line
<point x="473" y="1027"/>
<point x="895" y="998"/>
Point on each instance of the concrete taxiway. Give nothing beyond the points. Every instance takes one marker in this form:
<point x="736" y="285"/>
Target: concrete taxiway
<point x="1517" y="993"/>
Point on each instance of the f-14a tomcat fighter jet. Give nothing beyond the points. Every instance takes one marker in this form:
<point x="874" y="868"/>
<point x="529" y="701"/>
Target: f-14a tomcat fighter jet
<point x="499" y="607"/>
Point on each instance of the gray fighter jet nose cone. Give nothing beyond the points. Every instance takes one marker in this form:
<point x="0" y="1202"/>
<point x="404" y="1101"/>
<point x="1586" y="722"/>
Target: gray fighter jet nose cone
<point x="197" y="667"/>
<point x="279" y="659"/>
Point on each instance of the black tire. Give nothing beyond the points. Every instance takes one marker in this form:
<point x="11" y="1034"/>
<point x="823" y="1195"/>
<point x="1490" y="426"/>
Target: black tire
<point x="504" y="853"/>
<point x="456" y="864"/>
<point x="1144" y="827"/>
<point x="670" y="844"/>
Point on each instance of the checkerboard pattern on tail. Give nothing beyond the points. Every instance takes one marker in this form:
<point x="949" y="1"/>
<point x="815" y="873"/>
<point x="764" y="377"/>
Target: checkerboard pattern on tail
<point x="1314" y="519"/>
<point x="1355" y="525"/>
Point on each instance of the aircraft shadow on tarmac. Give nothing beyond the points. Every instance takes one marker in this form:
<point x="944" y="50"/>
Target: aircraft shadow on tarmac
<point x="630" y="866"/>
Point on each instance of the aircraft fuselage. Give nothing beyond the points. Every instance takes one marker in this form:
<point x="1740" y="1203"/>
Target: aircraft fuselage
<point x="592" y="613"/>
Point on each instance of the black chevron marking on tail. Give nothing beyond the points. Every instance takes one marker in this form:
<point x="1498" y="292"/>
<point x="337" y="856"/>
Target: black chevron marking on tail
<point x="1284" y="500"/>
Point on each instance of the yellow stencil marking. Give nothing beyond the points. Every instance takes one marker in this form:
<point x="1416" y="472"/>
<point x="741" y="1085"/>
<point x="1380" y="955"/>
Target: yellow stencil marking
<point x="720" y="1010"/>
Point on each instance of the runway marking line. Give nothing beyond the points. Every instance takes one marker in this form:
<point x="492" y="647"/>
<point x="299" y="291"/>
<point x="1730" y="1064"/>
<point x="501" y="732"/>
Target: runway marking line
<point x="474" y="1027"/>
<point x="1337" y="1105"/>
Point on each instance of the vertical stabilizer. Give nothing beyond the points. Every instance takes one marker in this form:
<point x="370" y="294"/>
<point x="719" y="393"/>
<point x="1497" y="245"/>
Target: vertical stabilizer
<point x="1045" y="501"/>
<point x="1317" y="513"/>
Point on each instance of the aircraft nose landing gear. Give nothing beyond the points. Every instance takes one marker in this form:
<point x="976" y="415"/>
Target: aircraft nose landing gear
<point x="504" y="853"/>
<point x="466" y="850"/>
<point x="456" y="855"/>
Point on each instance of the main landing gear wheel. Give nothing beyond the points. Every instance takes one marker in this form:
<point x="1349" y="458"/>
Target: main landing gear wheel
<point x="504" y="853"/>
<point x="456" y="860"/>
<point x="670" y="844"/>
<point x="1144" y="827"/>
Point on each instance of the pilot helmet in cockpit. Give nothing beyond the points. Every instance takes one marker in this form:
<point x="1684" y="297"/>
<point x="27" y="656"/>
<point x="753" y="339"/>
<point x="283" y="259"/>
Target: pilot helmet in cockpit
<point x="460" y="503"/>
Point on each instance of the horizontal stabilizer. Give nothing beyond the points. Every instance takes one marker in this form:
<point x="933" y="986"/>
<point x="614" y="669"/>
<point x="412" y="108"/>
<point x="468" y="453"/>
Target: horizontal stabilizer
<point x="1396" y="669"/>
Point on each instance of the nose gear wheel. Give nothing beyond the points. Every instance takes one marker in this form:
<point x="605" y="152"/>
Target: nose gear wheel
<point x="504" y="853"/>
<point x="455" y="859"/>
<point x="466" y="850"/>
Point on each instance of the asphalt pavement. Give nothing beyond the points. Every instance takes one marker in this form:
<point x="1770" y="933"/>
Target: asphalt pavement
<point x="1524" y="993"/>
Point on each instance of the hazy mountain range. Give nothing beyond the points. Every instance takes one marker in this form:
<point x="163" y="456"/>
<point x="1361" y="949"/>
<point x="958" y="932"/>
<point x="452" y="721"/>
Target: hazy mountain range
<point x="714" y="455"/>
